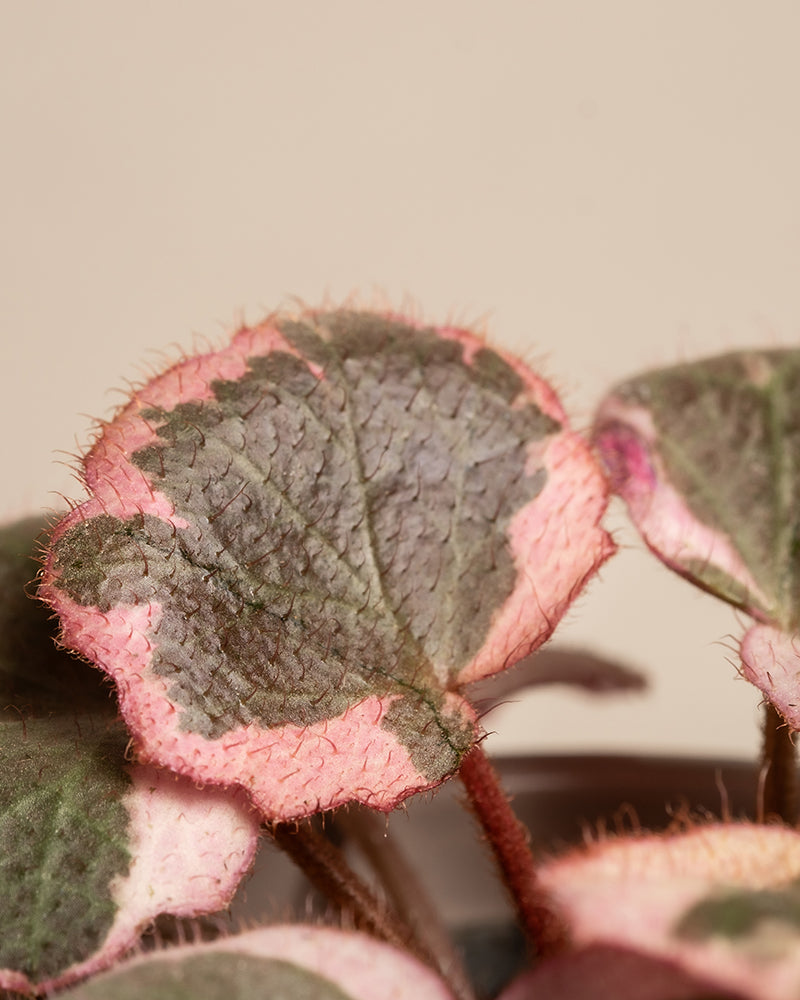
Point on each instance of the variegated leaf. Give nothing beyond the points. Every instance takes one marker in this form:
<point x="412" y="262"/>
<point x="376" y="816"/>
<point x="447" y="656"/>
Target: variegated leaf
<point x="707" y="457"/>
<point x="290" y="963"/>
<point x="298" y="549"/>
<point x="92" y="847"/>
<point x="720" y="902"/>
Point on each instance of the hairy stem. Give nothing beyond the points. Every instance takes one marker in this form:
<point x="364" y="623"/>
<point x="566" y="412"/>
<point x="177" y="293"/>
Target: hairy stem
<point x="508" y="840"/>
<point x="327" y="869"/>
<point x="779" y="766"/>
<point x="407" y="892"/>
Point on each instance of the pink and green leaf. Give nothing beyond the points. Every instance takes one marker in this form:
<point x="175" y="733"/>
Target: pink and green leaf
<point x="707" y="457"/>
<point x="92" y="847"/>
<point x="293" y="963"/>
<point x="299" y="548"/>
<point x="721" y="902"/>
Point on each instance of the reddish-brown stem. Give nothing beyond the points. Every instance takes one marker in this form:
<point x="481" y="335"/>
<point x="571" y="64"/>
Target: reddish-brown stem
<point x="509" y="842"/>
<point x="327" y="869"/>
<point x="779" y="762"/>
<point x="408" y="893"/>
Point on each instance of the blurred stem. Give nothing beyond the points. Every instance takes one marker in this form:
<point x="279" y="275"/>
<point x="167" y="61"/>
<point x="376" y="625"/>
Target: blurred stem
<point x="327" y="869"/>
<point x="779" y="766"/>
<point x="408" y="893"/>
<point x="509" y="842"/>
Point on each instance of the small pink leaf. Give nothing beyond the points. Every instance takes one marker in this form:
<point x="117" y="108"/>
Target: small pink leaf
<point x="298" y="549"/>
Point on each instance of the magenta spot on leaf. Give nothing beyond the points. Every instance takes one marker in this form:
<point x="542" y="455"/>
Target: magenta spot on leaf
<point x="626" y="459"/>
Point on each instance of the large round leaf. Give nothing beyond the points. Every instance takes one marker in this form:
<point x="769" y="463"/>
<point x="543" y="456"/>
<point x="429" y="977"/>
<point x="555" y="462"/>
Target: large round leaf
<point x="299" y="548"/>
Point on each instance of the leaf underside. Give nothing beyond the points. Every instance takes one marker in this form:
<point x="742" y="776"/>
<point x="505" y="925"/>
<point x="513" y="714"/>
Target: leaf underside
<point x="573" y="667"/>
<point x="337" y="540"/>
<point x="600" y="971"/>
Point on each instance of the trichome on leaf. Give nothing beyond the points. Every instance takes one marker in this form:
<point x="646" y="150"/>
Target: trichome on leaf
<point x="299" y="549"/>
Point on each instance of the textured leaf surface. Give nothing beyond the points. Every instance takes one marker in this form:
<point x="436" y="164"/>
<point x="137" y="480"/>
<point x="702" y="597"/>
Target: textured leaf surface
<point x="707" y="457"/>
<point x="720" y="902"/>
<point x="299" y="548"/>
<point x="63" y="831"/>
<point x="769" y="658"/>
<point x="290" y="963"/>
<point x="88" y="842"/>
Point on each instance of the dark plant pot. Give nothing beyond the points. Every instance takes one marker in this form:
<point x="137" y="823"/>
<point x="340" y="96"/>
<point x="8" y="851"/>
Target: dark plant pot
<point x="561" y="799"/>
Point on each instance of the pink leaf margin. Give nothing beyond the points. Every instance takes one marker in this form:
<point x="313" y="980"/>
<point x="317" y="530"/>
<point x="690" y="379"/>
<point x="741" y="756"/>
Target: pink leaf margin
<point x="556" y="541"/>
<point x="626" y="440"/>
<point x="190" y="849"/>
<point x="290" y="771"/>
<point x="558" y="544"/>
<point x="361" y="967"/>
<point x="117" y="487"/>
<point x="632" y="892"/>
<point x="770" y="659"/>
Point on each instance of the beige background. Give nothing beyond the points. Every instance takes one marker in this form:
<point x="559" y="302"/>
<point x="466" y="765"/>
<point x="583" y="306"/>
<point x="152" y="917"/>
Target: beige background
<point x="609" y="185"/>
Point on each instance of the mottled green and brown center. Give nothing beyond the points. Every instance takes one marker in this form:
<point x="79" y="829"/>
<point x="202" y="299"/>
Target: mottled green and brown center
<point x="347" y="509"/>
<point x="727" y="430"/>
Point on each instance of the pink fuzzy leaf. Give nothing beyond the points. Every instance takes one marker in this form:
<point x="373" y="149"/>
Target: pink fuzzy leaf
<point x="293" y="963"/>
<point x="721" y="902"/>
<point x="92" y="848"/>
<point x="299" y="548"/>
<point x="707" y="457"/>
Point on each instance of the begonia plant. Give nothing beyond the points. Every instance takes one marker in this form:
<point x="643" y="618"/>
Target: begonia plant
<point x="300" y="561"/>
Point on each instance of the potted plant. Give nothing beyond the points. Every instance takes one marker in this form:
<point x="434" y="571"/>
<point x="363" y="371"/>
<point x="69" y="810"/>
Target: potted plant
<point x="301" y="560"/>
